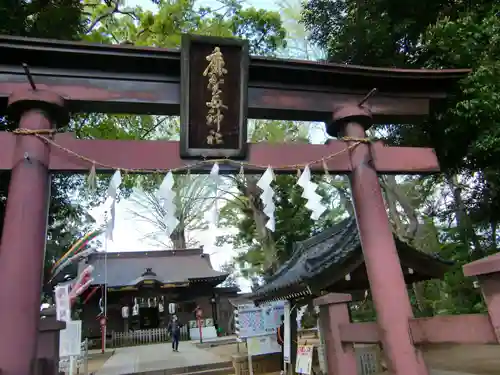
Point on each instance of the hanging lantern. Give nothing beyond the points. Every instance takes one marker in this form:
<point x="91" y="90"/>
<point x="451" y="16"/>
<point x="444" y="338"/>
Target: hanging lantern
<point x="160" y="307"/>
<point x="125" y="312"/>
<point x="135" y="308"/>
<point x="171" y="308"/>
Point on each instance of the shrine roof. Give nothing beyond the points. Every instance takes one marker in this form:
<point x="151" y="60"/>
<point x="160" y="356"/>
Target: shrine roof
<point x="263" y="71"/>
<point x="166" y="267"/>
<point x="322" y="262"/>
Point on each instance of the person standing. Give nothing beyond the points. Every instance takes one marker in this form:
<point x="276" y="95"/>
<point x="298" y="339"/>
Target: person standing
<point x="174" y="329"/>
<point x="281" y="341"/>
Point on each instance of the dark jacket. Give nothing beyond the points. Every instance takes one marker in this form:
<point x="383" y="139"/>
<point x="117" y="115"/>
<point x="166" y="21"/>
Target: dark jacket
<point x="280" y="334"/>
<point x="174" y="327"/>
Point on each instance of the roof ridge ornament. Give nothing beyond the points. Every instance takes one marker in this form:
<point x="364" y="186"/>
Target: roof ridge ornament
<point x="29" y="76"/>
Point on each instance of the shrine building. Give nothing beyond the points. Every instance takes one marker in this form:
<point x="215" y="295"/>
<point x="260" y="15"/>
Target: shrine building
<point x="142" y="284"/>
<point x="332" y="262"/>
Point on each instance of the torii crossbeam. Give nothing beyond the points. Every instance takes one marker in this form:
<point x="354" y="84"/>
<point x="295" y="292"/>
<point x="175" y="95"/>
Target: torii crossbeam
<point x="69" y="77"/>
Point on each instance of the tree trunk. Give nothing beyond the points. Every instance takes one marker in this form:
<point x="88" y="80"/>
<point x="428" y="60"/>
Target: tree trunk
<point x="464" y="224"/>
<point x="404" y="232"/>
<point x="392" y="188"/>
<point x="178" y="238"/>
<point x="391" y="202"/>
<point x="345" y="199"/>
<point x="248" y="187"/>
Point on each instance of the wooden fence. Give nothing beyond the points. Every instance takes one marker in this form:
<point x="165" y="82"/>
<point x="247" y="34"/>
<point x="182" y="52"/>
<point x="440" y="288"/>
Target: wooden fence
<point x="144" y="337"/>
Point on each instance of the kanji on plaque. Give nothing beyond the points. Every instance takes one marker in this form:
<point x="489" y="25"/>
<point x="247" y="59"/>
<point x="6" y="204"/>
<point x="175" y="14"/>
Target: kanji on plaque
<point x="214" y="74"/>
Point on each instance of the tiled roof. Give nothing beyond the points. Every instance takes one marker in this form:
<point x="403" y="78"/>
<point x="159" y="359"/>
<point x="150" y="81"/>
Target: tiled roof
<point x="171" y="266"/>
<point x="323" y="256"/>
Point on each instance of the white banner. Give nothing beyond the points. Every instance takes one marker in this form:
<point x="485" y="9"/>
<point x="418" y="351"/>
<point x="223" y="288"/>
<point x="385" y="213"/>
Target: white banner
<point x="63" y="305"/>
<point x="287" y="345"/>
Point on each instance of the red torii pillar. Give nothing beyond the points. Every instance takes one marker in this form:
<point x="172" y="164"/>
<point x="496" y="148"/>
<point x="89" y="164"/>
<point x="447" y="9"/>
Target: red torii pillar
<point x="24" y="231"/>
<point x="384" y="271"/>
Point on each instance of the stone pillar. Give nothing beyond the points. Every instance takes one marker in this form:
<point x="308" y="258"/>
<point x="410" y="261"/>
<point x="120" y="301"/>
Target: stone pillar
<point x="490" y="287"/>
<point x="334" y="311"/>
<point x="487" y="270"/>
<point x="48" y="341"/>
<point x="24" y="231"/>
<point x="387" y="282"/>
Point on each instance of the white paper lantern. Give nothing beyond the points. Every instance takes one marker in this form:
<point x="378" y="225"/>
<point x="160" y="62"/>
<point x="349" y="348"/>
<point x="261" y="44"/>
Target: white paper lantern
<point x="125" y="312"/>
<point x="171" y="308"/>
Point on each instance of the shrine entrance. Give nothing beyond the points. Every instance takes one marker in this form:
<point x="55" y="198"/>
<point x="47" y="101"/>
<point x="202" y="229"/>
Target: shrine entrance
<point x="149" y="317"/>
<point x="214" y="86"/>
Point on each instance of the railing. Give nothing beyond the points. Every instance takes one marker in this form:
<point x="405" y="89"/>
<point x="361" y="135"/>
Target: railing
<point x="144" y="337"/>
<point x="80" y="363"/>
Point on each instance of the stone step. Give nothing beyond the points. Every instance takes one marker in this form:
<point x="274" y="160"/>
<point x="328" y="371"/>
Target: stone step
<point x="215" y="371"/>
<point x="197" y="368"/>
<point x="217" y="368"/>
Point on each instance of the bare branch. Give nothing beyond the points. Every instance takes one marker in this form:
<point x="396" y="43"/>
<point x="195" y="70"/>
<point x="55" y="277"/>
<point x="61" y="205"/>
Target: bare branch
<point x="114" y="10"/>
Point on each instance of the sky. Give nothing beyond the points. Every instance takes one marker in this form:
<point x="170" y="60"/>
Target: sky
<point x="129" y="234"/>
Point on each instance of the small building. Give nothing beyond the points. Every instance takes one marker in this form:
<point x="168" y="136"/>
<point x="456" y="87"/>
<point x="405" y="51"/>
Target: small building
<point x="332" y="262"/>
<point x="142" y="284"/>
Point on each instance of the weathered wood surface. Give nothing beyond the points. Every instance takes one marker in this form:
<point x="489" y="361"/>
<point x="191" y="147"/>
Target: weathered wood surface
<point x="165" y="155"/>
<point x="127" y="79"/>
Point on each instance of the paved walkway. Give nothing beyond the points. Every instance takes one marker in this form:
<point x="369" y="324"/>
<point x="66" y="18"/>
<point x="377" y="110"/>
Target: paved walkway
<point x="445" y="372"/>
<point x="156" y="357"/>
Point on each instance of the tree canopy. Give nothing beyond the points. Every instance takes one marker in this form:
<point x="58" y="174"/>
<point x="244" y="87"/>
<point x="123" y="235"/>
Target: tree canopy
<point x="111" y="22"/>
<point x="455" y="213"/>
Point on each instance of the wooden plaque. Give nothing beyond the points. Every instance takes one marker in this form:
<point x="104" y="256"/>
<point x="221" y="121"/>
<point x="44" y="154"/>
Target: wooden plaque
<point x="214" y="83"/>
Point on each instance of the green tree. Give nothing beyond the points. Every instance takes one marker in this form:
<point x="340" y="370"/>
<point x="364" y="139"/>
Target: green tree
<point x="54" y="19"/>
<point x="111" y="23"/>
<point x="263" y="29"/>
<point x="194" y="197"/>
<point x="298" y="44"/>
<point x="454" y="213"/>
<point x="57" y="19"/>
<point x="262" y="250"/>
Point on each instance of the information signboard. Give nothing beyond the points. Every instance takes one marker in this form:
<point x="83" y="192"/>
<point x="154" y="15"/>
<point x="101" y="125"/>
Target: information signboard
<point x="263" y="345"/>
<point x="260" y="321"/>
<point x="71" y="339"/>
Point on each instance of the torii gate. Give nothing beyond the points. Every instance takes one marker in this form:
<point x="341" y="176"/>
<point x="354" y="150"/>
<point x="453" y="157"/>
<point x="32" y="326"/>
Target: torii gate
<point x="75" y="77"/>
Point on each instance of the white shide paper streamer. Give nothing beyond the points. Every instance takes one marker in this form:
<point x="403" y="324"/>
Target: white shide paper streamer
<point x="313" y="199"/>
<point x="267" y="197"/>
